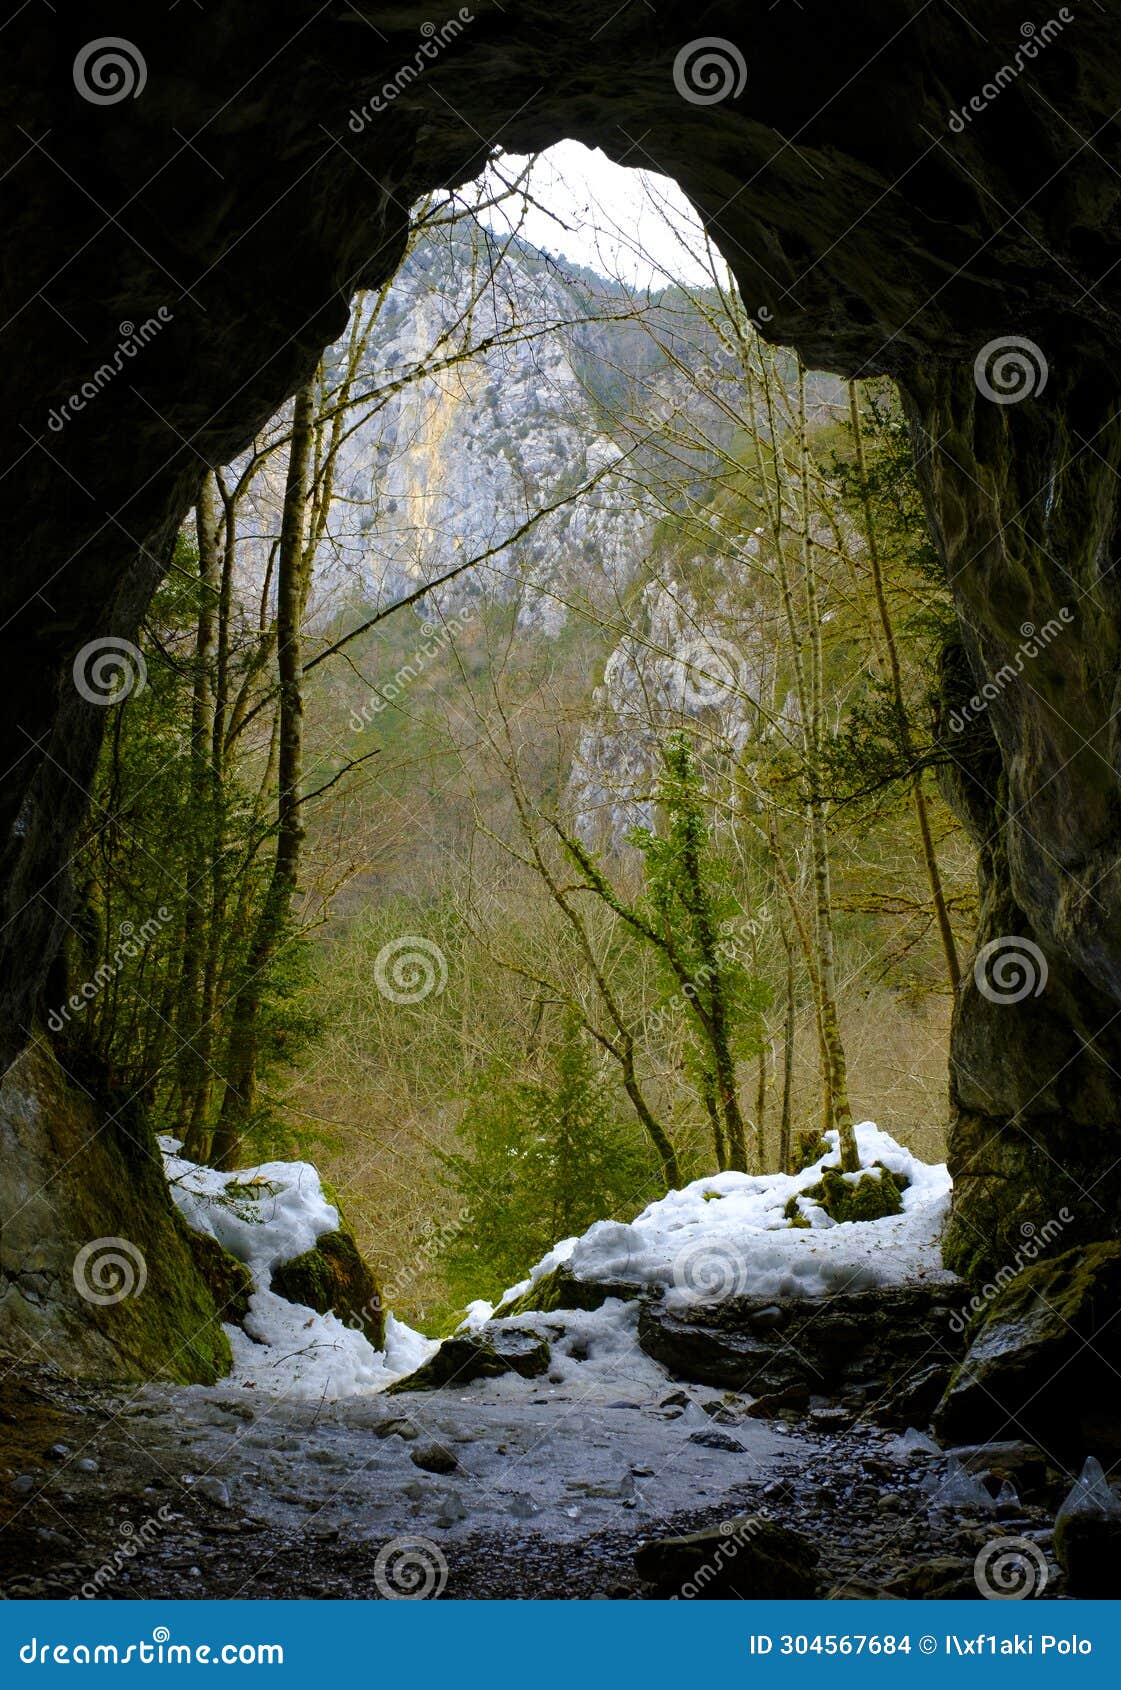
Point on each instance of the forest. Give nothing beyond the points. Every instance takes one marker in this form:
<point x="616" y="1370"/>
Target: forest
<point x="531" y="801"/>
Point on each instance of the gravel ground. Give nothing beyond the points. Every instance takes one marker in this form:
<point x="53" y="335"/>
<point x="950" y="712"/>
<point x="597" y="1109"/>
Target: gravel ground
<point x="512" y="1488"/>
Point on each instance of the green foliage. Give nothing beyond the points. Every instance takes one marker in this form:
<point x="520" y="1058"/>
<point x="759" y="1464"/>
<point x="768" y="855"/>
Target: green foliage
<point x="689" y="898"/>
<point x="867" y="757"/>
<point x="544" y="1159"/>
<point x="166" y="843"/>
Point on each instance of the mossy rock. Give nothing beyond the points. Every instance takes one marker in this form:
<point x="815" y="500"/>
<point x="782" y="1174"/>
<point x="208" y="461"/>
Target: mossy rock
<point x="487" y="1355"/>
<point x="230" y="1281"/>
<point x="810" y="1148"/>
<point x="870" y="1198"/>
<point x="749" y="1558"/>
<point x="560" y="1289"/>
<point x="1044" y="1358"/>
<point x="334" y="1279"/>
<point x="100" y="1275"/>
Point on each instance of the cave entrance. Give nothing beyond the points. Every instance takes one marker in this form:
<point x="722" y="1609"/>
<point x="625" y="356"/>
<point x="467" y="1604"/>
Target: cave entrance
<point x="854" y="240"/>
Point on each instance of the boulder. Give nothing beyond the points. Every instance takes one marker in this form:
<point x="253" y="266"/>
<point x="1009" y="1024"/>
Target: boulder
<point x="230" y="1281"/>
<point x="1043" y="1359"/>
<point x="749" y="1558"/>
<point x="1021" y="1464"/>
<point x="561" y="1289"/>
<point x="483" y="1355"/>
<point x="333" y="1278"/>
<point x="912" y="1401"/>
<point x="943" y="1579"/>
<point x="99" y="1275"/>
<point x="1088" y="1536"/>
<point x="859" y="1340"/>
<point x="434" y="1458"/>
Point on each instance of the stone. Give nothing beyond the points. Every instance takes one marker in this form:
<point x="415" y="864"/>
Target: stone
<point x="832" y="1418"/>
<point x="717" y="1440"/>
<point x="433" y="1458"/>
<point x="912" y="1401"/>
<point x="748" y="1558"/>
<point x="1044" y="1358"/>
<point x="484" y="1355"/>
<point x="773" y="1403"/>
<point x="113" y="1201"/>
<point x="842" y="1343"/>
<point x="212" y="1489"/>
<point x="396" y="1427"/>
<point x="1013" y="1461"/>
<point x="561" y="1289"/>
<point x="943" y="1579"/>
<point x="333" y="1278"/>
<point x="1088" y="1536"/>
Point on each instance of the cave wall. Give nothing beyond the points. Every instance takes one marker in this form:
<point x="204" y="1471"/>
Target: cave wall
<point x="259" y="167"/>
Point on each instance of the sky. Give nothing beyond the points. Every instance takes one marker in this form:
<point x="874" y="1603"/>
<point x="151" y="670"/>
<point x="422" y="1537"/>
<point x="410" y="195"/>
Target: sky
<point x="627" y="223"/>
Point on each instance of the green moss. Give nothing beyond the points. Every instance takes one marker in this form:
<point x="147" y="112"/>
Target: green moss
<point x="230" y="1281"/>
<point x="168" y="1323"/>
<point x="560" y="1289"/>
<point x="334" y="1279"/>
<point x="870" y="1198"/>
<point x="811" y="1147"/>
<point x="794" y="1214"/>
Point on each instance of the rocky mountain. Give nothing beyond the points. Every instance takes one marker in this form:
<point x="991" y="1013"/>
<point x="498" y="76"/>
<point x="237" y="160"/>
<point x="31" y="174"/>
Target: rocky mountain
<point x="509" y="382"/>
<point x="555" y="387"/>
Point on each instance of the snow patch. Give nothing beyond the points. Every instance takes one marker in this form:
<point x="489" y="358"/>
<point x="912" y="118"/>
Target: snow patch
<point x="728" y="1235"/>
<point x="264" y="1216"/>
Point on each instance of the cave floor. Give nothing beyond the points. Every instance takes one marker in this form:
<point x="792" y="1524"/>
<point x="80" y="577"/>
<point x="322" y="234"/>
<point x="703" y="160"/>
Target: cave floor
<point x="225" y="1492"/>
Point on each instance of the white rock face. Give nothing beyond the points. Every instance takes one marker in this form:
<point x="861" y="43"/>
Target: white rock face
<point x="458" y="459"/>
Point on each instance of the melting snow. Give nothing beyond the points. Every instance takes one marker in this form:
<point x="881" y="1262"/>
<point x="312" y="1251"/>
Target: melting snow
<point x="727" y="1235"/>
<point x="264" y="1216"/>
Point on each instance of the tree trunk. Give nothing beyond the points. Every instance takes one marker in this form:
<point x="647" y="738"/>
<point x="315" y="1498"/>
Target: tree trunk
<point x="785" y="1133"/>
<point x="819" y="836"/>
<point x="293" y="566"/>
<point x="192" y="1061"/>
<point x="930" y="857"/>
